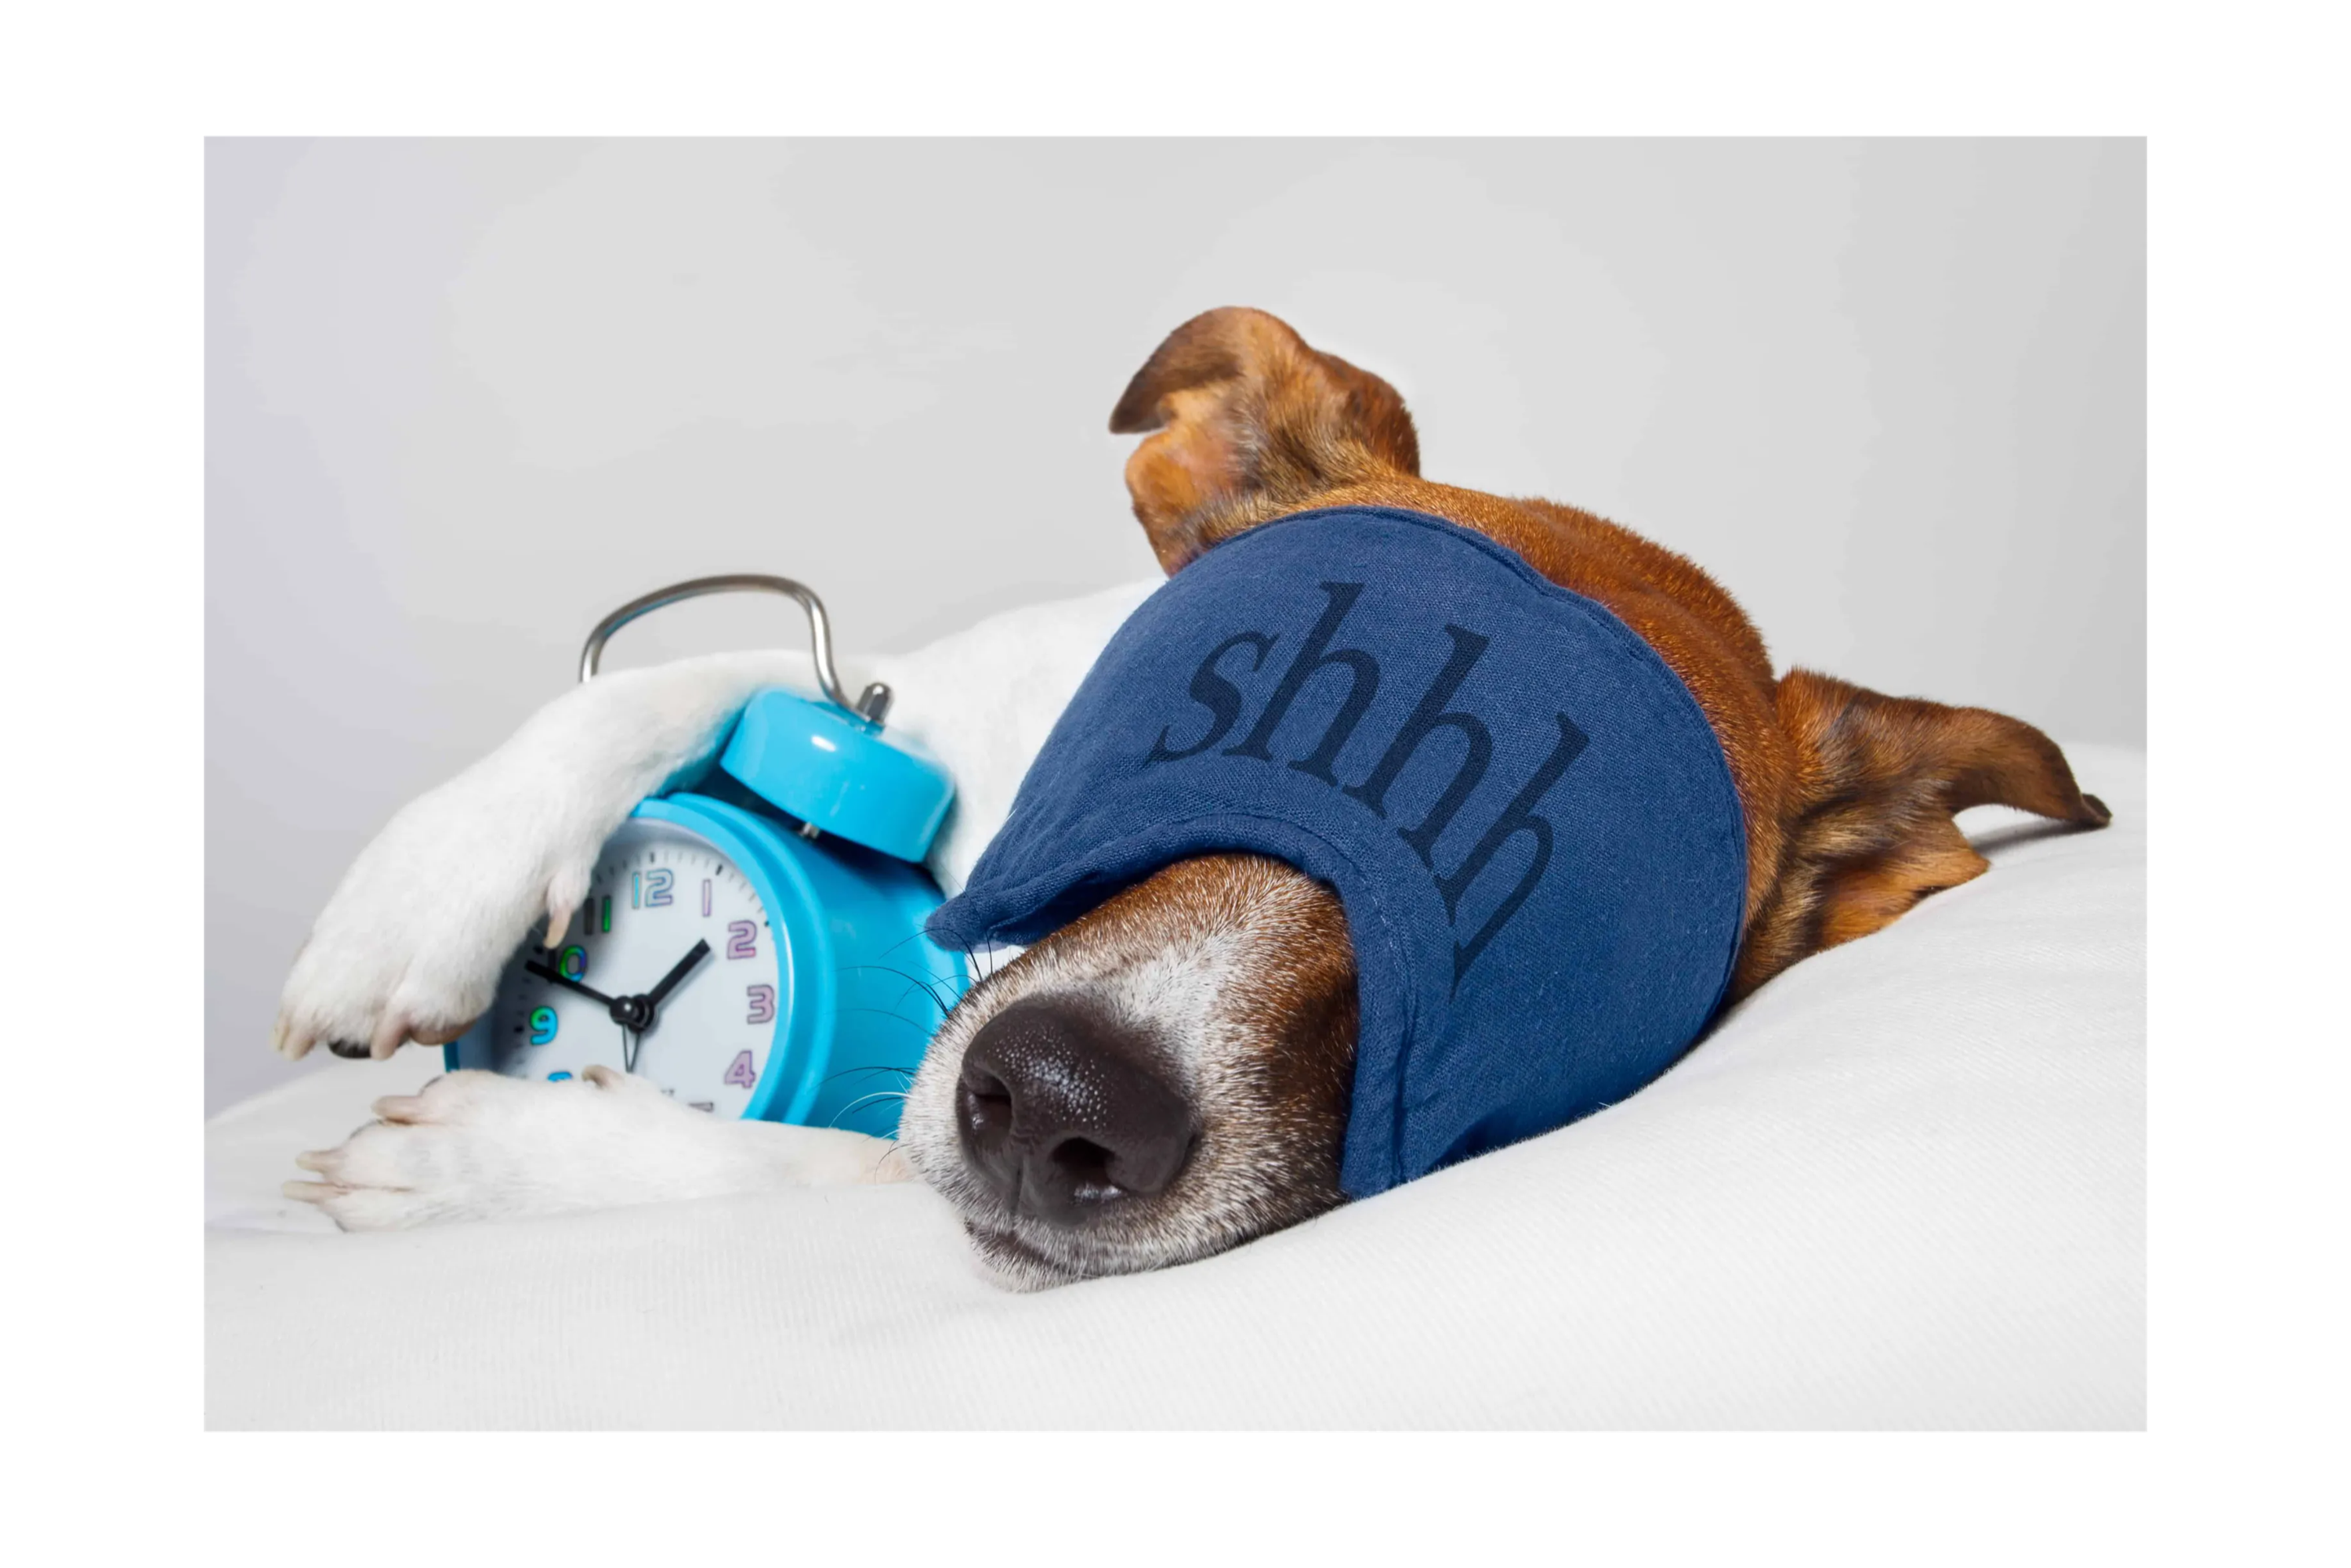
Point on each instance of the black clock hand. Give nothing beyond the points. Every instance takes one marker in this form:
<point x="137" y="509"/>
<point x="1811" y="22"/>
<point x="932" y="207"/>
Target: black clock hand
<point x="622" y="1008"/>
<point x="633" y="1014"/>
<point x="678" y="971"/>
<point x="642" y="1019"/>
<point x="545" y="973"/>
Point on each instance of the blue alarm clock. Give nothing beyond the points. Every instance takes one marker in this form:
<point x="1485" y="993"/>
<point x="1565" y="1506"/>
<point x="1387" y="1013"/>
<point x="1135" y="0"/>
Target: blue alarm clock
<point x="754" y="947"/>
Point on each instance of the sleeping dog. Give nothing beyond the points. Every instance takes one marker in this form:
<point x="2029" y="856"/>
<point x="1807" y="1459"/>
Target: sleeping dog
<point x="1170" y="1068"/>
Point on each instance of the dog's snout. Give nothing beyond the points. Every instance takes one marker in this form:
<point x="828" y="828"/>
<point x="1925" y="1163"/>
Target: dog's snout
<point x="1064" y="1116"/>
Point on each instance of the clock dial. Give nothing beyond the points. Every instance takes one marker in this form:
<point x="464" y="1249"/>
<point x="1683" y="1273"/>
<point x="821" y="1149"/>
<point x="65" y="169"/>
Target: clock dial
<point x="658" y="892"/>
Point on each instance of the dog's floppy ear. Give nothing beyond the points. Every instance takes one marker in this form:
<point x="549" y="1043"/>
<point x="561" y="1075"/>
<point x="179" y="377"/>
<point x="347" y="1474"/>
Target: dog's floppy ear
<point x="1250" y="422"/>
<point x="1880" y="780"/>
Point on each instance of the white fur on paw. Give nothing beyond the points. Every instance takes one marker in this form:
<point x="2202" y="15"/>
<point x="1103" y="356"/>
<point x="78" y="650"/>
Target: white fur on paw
<point x="475" y="1145"/>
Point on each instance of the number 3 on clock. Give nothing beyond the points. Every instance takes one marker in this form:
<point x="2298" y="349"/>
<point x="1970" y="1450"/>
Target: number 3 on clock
<point x="763" y="1003"/>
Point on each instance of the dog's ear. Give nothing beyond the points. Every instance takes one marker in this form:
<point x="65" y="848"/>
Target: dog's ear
<point x="1880" y="780"/>
<point x="1250" y="422"/>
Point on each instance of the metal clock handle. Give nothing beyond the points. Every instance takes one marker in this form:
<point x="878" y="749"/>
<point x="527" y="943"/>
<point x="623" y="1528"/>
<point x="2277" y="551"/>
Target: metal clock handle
<point x="872" y="704"/>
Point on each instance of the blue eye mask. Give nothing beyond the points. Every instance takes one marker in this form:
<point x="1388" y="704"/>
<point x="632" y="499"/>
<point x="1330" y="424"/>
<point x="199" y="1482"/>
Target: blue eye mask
<point x="1529" y="822"/>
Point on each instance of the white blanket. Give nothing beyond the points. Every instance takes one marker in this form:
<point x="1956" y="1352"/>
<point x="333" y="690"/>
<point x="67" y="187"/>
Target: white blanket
<point x="1902" y="1185"/>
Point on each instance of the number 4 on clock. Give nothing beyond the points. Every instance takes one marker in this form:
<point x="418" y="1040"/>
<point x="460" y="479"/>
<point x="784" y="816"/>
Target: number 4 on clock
<point x="740" y="1072"/>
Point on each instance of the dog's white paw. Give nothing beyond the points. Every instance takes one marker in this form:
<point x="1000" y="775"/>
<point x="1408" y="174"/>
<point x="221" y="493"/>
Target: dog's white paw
<point x="475" y="1145"/>
<point x="411" y="945"/>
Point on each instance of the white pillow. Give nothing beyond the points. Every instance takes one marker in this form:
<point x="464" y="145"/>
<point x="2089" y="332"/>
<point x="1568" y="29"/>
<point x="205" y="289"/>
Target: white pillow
<point x="1902" y="1185"/>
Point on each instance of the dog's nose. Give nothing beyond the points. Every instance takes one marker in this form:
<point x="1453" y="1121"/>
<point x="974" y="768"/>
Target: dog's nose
<point x="1064" y="1116"/>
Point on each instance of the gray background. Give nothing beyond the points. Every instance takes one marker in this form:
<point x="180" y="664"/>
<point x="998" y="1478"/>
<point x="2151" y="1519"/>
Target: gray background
<point x="463" y="396"/>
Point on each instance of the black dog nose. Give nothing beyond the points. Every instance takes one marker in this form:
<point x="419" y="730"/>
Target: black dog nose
<point x="1064" y="1116"/>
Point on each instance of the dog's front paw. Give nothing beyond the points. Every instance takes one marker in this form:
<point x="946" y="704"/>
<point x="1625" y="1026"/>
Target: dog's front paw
<point x="411" y="945"/>
<point x="473" y="1145"/>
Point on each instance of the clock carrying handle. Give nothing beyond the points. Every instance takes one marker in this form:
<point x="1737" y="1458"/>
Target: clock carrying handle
<point x="871" y="705"/>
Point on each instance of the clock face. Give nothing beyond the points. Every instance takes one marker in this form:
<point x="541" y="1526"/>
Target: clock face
<point x="658" y="891"/>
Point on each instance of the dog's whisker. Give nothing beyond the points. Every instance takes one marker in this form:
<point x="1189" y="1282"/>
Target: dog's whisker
<point x="980" y="959"/>
<point x="890" y="1013"/>
<point x="902" y="995"/>
<point x="862" y="1100"/>
<point x="942" y="980"/>
<point x="901" y="941"/>
<point x="919" y="982"/>
<point x="879" y="1067"/>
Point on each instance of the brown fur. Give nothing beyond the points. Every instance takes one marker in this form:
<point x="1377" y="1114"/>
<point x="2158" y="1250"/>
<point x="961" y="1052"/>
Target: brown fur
<point x="1849" y="794"/>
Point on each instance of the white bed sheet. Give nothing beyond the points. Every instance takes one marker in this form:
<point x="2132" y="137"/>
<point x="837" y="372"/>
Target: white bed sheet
<point x="1903" y="1185"/>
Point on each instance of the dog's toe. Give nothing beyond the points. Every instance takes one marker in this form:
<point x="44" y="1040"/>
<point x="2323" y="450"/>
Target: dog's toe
<point x="615" y="1081"/>
<point x="387" y="1177"/>
<point x="438" y="1154"/>
<point x="409" y="1108"/>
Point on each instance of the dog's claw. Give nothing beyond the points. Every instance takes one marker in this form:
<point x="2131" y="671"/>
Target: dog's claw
<point x="390" y="1036"/>
<point x="288" y="1042"/>
<point x="564" y="895"/>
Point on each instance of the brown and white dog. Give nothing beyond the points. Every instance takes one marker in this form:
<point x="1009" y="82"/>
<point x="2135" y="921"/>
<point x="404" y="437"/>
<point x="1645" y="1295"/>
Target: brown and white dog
<point x="1167" y="1076"/>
